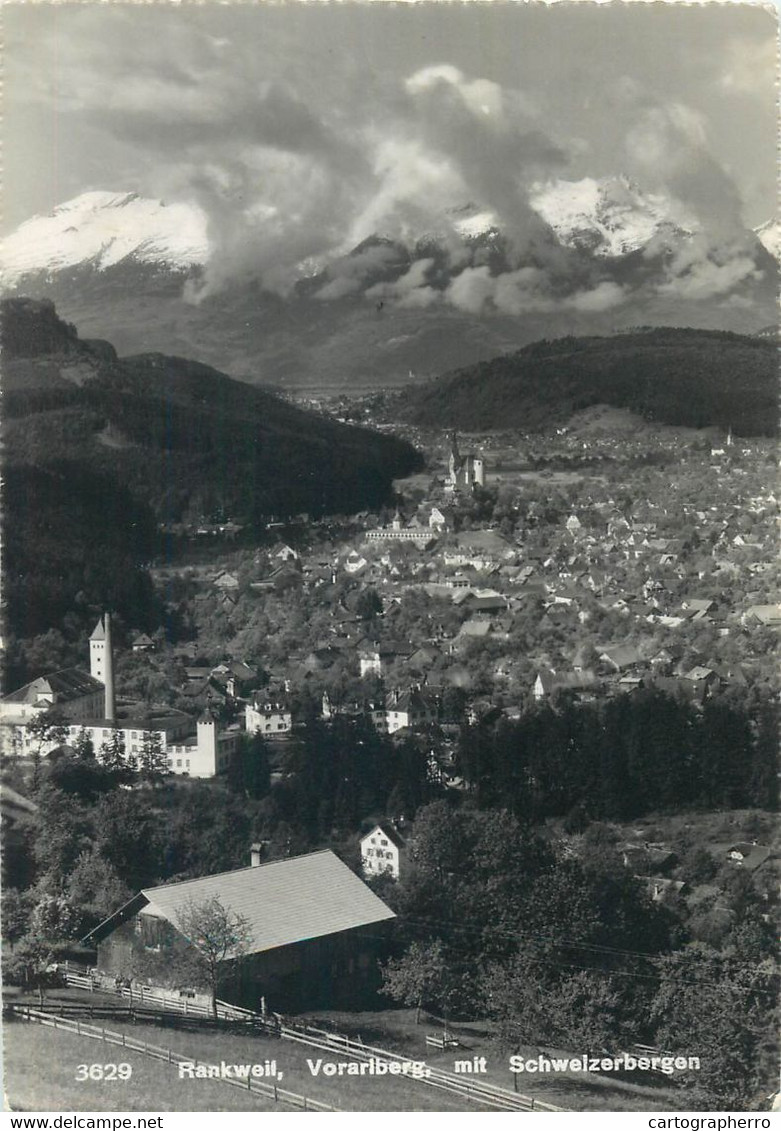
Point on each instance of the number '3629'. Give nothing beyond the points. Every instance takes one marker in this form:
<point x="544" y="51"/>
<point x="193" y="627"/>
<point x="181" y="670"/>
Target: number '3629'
<point x="104" y="1071"/>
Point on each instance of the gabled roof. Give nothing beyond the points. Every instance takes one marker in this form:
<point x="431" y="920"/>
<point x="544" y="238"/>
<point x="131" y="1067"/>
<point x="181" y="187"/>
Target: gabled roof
<point x="622" y="655"/>
<point x="388" y="831"/>
<point x="284" y="902"/>
<point x="63" y="686"/>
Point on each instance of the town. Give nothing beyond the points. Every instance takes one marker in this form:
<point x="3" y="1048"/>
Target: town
<point x="389" y="699"/>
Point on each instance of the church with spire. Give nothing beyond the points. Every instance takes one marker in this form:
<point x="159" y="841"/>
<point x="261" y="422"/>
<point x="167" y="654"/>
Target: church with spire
<point x="465" y="472"/>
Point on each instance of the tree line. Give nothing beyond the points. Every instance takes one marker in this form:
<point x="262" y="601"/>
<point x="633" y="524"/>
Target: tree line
<point x="626" y="756"/>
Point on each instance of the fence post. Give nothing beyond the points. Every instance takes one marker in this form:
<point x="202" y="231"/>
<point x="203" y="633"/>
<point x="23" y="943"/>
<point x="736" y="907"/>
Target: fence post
<point x="275" y="1093"/>
<point x="78" y="1026"/>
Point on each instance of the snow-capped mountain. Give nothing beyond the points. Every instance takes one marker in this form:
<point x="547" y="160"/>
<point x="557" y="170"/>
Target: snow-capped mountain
<point x="769" y="235"/>
<point x="102" y="229"/>
<point x="609" y="217"/>
<point x="118" y="266"/>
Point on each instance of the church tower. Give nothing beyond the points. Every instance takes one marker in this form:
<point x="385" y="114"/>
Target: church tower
<point x="101" y="663"/>
<point x="97" y="652"/>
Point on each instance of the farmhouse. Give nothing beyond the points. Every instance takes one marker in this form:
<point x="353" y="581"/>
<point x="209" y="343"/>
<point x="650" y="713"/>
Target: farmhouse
<point x="315" y="932"/>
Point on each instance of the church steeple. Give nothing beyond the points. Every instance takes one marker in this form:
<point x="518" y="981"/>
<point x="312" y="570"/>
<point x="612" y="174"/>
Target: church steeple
<point x="101" y="662"/>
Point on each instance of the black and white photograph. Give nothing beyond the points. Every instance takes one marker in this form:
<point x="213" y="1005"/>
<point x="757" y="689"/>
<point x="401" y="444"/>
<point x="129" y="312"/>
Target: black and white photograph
<point x="389" y="707"/>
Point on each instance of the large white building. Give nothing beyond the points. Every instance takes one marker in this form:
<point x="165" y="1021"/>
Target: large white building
<point x="89" y="711"/>
<point x="268" y="717"/>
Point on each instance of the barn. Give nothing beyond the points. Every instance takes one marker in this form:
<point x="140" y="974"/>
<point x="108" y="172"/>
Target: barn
<point x="315" y="932"/>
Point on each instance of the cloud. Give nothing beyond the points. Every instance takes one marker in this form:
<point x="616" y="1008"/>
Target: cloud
<point x="297" y="157"/>
<point x="411" y="289"/>
<point x="528" y="291"/>
<point x="699" y="272"/>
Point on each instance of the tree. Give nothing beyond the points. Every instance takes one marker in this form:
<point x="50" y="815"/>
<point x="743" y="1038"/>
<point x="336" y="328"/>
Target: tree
<point x="94" y="889"/>
<point x="48" y="728"/>
<point x="368" y="604"/>
<point x="84" y="746"/>
<point x="418" y="977"/>
<point x="30" y="964"/>
<point x="15" y="914"/>
<point x="112" y="753"/>
<point x="153" y="764"/>
<point x="216" y="935"/>
<point x="721" y="1007"/>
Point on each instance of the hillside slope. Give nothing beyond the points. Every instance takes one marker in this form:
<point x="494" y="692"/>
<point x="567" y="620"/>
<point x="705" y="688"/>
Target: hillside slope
<point x="694" y="378"/>
<point x="99" y="450"/>
<point x="181" y="436"/>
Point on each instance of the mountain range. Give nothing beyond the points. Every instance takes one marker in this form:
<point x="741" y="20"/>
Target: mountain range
<point x="596" y="256"/>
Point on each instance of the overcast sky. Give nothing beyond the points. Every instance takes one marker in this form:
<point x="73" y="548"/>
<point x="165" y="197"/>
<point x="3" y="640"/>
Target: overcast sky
<point x="310" y="126"/>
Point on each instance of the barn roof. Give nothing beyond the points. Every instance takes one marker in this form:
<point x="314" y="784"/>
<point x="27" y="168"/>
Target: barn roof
<point x="284" y="901"/>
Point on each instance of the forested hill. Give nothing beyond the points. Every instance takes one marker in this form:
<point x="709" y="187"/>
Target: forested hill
<point x="694" y="378"/>
<point x="182" y="437"/>
<point x="99" y="450"/>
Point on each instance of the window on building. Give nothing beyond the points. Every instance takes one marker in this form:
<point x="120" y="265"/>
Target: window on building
<point x="179" y="763"/>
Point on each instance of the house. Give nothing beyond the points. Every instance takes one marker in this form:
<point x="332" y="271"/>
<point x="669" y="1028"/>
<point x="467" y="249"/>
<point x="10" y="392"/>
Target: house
<point x="270" y="718"/>
<point x="621" y="656"/>
<point x="749" y="856"/>
<point x="408" y="709"/>
<point x="476" y="628"/>
<point x="767" y="615"/>
<point x="375" y="659"/>
<point x="281" y="552"/>
<point x="548" y="681"/>
<point x="703" y="675"/>
<point x="382" y="851"/>
<point x="355" y="562"/>
<point x="314" y="933"/>
<point x="225" y="580"/>
<point x="646" y="859"/>
<point x="484" y="601"/>
<point x="441" y="520"/>
<point x="143" y="643"/>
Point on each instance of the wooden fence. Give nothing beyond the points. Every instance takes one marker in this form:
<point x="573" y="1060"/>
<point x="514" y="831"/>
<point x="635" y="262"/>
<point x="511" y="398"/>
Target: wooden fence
<point x="467" y="1086"/>
<point x="156" y="1052"/>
